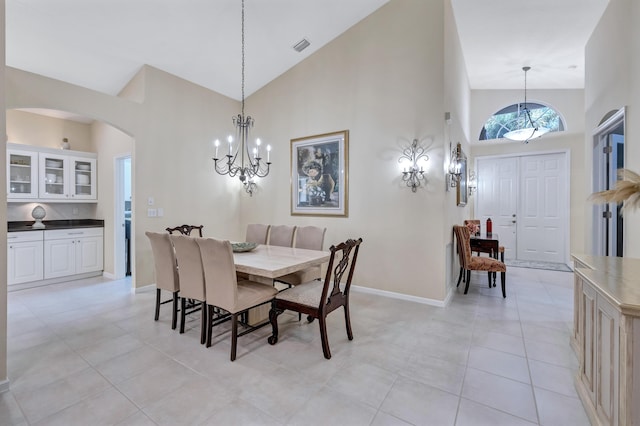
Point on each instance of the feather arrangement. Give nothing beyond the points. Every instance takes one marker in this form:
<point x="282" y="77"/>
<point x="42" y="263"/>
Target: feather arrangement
<point x="627" y="190"/>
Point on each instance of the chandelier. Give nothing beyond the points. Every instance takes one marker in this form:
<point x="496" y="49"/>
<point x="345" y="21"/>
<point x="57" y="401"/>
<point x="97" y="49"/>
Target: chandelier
<point x="525" y="128"/>
<point x="243" y="161"/>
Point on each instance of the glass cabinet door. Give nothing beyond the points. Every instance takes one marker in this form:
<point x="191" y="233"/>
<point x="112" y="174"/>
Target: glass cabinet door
<point x="53" y="178"/>
<point x="22" y="172"/>
<point x="83" y="172"/>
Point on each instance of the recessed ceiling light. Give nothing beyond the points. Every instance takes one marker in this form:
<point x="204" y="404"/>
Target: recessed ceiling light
<point x="301" y="45"/>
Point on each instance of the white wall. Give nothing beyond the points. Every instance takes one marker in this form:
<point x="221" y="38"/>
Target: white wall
<point x="3" y="230"/>
<point x="570" y="104"/>
<point x="457" y="102"/>
<point x="34" y="129"/>
<point x="612" y="66"/>
<point x="109" y="143"/>
<point x="383" y="80"/>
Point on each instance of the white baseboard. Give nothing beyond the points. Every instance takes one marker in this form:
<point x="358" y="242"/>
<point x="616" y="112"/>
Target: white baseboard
<point x="393" y="295"/>
<point x="108" y="275"/>
<point x="4" y="386"/>
<point x="58" y="280"/>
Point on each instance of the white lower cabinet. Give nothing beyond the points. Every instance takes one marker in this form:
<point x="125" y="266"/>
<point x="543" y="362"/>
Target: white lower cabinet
<point x="600" y="354"/>
<point x="72" y="251"/>
<point x="24" y="257"/>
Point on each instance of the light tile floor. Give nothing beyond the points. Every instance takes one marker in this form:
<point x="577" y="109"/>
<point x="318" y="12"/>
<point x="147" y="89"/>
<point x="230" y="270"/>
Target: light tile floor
<point x="89" y="352"/>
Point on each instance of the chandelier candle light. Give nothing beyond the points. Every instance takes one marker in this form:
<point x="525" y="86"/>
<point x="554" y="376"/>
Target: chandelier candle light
<point x="250" y="164"/>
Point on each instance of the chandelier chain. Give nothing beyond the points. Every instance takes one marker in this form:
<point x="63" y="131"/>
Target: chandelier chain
<point x="243" y="60"/>
<point x="250" y="165"/>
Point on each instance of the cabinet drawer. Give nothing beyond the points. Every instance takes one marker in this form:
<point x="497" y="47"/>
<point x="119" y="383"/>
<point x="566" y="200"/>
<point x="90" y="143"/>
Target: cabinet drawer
<point x="59" y="234"/>
<point x="23" y="236"/>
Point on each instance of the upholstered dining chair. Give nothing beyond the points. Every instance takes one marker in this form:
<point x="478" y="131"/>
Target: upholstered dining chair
<point x="281" y="235"/>
<point x="225" y="292"/>
<point x="166" y="273"/>
<point x="311" y="238"/>
<point x="186" y="229"/>
<point x="257" y="233"/>
<point x="318" y="299"/>
<point x="470" y="263"/>
<point x="191" y="276"/>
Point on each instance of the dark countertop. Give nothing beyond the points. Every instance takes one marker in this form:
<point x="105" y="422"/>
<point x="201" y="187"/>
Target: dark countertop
<point x="55" y="224"/>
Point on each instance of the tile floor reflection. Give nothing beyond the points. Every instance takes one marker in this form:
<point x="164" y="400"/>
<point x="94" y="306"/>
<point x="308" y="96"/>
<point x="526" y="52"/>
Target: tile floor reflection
<point x="89" y="352"/>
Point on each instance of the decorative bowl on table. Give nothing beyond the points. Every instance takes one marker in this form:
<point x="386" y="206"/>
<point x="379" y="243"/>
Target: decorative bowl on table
<point x="242" y="247"/>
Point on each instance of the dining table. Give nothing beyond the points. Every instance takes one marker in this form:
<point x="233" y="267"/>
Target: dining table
<point x="486" y="243"/>
<point x="266" y="262"/>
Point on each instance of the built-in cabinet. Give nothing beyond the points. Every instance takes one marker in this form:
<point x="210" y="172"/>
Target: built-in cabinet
<point x="72" y="251"/>
<point x="50" y="175"/>
<point x="25" y="260"/>
<point x="606" y="336"/>
<point x="22" y="174"/>
<point x="50" y="254"/>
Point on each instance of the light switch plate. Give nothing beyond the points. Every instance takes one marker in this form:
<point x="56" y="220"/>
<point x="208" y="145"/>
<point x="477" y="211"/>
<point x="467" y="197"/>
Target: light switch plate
<point x="152" y="213"/>
<point x="160" y="212"/>
<point x="150" y="201"/>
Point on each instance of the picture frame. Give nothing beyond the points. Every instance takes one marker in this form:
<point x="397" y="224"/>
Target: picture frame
<point x="462" y="189"/>
<point x="320" y="175"/>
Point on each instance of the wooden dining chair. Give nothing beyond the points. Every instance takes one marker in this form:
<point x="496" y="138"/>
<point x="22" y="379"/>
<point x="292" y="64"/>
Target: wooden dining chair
<point x="470" y="263"/>
<point x="166" y="273"/>
<point x="281" y="235"/>
<point x="257" y="233"/>
<point x="191" y="274"/>
<point x="186" y="229"/>
<point x="318" y="299"/>
<point x="225" y="292"/>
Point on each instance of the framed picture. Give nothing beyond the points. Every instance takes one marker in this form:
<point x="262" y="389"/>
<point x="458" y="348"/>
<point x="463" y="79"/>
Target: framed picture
<point x="319" y="175"/>
<point x="462" y="190"/>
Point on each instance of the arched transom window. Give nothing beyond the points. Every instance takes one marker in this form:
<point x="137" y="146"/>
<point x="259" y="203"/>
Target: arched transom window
<point x="506" y="120"/>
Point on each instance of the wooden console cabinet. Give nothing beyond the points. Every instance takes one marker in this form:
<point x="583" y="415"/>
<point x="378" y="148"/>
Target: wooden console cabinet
<point x="606" y="337"/>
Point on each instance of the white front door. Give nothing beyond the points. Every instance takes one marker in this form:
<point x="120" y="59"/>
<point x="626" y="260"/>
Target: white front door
<point x="544" y="207"/>
<point x="497" y="199"/>
<point x="527" y="199"/>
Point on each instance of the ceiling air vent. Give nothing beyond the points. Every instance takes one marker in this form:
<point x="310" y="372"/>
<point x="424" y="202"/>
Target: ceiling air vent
<point x="301" y="45"/>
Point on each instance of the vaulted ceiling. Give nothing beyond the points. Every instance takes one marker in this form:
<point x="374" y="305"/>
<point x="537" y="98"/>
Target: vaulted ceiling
<point x="101" y="44"/>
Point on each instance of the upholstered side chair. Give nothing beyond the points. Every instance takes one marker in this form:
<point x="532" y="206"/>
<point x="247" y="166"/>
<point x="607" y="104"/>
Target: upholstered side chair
<point x="470" y="263"/>
<point x="281" y="235"/>
<point x="166" y="273"/>
<point x="225" y="292"/>
<point x="191" y="276"/>
<point x="257" y="233"/>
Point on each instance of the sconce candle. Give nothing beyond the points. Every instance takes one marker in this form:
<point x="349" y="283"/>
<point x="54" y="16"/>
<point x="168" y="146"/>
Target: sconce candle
<point x="415" y="174"/>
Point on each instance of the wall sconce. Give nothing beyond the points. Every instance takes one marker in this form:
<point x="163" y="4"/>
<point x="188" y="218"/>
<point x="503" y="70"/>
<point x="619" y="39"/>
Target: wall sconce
<point x="455" y="166"/>
<point x="473" y="183"/>
<point x="413" y="174"/>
